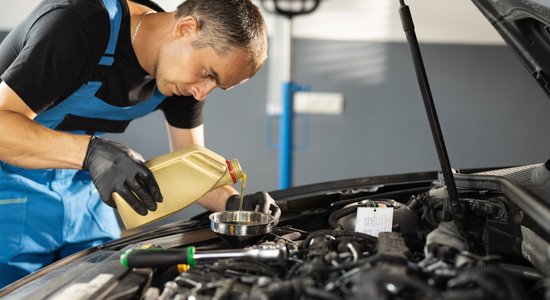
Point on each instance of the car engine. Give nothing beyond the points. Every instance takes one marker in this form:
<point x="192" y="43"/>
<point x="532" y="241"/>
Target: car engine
<point x="496" y="248"/>
<point x="492" y="252"/>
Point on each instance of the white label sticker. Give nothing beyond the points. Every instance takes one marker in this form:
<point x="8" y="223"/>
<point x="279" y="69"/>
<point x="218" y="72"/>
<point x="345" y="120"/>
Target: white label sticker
<point x="373" y="220"/>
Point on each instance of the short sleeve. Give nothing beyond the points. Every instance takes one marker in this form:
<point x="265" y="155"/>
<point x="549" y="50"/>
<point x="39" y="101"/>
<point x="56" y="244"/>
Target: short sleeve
<point x="183" y="111"/>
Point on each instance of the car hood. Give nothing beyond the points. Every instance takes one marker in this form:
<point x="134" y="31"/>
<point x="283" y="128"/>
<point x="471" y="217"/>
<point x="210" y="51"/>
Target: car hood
<point x="525" y="26"/>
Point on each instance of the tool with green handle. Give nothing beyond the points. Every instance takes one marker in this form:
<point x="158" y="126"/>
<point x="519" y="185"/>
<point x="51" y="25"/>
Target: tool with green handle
<point x="159" y="257"/>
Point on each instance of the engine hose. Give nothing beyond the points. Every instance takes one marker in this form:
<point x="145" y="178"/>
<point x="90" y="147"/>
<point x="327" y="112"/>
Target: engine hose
<point x="380" y="195"/>
<point x="315" y="269"/>
<point x="349" y="245"/>
<point x="374" y="283"/>
<point x="244" y="265"/>
<point x="224" y="290"/>
<point x="283" y="290"/>
<point x="320" y="294"/>
<point x="507" y="283"/>
<point x="333" y="217"/>
<point x="527" y="273"/>
<point x="337" y="233"/>
<point x="351" y="265"/>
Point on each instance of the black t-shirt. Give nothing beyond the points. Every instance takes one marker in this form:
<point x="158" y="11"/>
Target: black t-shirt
<point x="56" y="49"/>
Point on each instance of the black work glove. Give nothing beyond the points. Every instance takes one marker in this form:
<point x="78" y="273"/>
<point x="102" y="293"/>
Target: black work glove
<point x="260" y="201"/>
<point x="117" y="168"/>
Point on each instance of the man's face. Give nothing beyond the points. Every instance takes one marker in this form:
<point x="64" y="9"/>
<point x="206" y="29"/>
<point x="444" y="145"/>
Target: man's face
<point x="185" y="70"/>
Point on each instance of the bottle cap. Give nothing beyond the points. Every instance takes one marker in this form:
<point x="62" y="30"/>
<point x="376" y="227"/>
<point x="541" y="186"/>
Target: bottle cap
<point x="235" y="170"/>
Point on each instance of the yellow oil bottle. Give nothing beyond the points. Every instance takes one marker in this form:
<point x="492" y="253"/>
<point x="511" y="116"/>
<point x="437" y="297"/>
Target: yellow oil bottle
<point x="184" y="176"/>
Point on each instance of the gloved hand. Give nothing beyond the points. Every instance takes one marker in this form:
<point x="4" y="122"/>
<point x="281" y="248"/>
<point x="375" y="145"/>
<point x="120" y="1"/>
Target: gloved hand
<point x="260" y="201"/>
<point x="117" y="168"/>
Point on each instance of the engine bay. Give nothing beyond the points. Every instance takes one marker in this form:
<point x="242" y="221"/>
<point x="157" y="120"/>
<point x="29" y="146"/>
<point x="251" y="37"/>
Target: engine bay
<point x="497" y="248"/>
<point x="493" y="252"/>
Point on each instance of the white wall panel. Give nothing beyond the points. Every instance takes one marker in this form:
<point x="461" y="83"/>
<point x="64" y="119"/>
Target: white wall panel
<point x="441" y="21"/>
<point x="14" y="12"/>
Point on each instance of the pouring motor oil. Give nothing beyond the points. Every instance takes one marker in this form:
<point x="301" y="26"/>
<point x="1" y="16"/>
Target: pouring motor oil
<point x="184" y="176"/>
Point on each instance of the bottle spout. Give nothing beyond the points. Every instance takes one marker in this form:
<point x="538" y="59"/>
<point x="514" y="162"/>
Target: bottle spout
<point x="235" y="170"/>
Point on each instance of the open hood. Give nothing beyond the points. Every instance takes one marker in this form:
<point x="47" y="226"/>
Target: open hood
<point x="525" y="26"/>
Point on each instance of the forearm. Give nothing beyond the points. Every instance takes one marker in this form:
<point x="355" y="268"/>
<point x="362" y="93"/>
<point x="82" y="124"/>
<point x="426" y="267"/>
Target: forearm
<point x="28" y="144"/>
<point x="215" y="200"/>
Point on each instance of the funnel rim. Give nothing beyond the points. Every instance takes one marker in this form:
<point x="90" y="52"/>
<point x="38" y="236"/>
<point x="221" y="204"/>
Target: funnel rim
<point x="224" y="222"/>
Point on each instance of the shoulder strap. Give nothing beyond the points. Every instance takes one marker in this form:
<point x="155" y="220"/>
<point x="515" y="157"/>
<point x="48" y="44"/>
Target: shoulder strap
<point x="115" y="17"/>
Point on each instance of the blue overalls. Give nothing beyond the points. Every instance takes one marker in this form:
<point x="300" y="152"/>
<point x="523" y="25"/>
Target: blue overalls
<point x="48" y="214"/>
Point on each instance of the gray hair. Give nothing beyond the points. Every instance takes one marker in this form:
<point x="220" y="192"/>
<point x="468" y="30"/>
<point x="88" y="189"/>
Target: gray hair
<point x="229" y="24"/>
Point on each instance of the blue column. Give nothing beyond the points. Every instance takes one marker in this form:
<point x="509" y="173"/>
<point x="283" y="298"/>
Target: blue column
<point x="285" y="136"/>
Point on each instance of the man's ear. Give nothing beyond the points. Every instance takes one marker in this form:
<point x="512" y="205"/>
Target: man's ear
<point x="186" y="25"/>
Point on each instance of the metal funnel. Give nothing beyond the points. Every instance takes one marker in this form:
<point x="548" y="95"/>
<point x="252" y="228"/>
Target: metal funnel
<point x="241" y="228"/>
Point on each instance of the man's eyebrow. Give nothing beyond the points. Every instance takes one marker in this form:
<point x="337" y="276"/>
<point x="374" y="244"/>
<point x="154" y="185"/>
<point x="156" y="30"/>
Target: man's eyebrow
<point x="216" y="78"/>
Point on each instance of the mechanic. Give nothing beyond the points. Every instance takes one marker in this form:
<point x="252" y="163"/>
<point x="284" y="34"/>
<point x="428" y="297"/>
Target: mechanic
<point x="74" y="69"/>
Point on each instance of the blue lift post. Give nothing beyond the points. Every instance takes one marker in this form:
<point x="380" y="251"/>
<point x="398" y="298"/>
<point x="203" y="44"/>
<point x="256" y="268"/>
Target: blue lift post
<point x="288" y="87"/>
<point x="286" y="125"/>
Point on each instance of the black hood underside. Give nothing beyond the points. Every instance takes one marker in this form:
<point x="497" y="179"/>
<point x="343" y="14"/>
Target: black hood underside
<point x="525" y="26"/>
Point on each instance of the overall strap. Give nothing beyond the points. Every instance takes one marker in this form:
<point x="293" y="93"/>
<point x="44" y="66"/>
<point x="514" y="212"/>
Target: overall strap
<point x="82" y="112"/>
<point x="115" y="17"/>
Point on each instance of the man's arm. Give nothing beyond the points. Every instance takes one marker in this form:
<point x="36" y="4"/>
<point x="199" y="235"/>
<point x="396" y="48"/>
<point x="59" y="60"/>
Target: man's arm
<point x="28" y="144"/>
<point x="181" y="138"/>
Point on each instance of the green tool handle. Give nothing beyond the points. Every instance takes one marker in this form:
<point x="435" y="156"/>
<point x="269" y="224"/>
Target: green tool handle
<point x="157" y="257"/>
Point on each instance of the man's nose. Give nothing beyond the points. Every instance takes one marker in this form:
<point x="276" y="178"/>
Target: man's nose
<point x="205" y="89"/>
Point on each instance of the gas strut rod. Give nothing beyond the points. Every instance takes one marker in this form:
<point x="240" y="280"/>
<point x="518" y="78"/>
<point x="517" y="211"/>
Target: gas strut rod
<point x="408" y="27"/>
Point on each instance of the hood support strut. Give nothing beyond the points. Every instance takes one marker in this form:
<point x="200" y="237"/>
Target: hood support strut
<point x="451" y="202"/>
